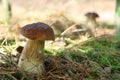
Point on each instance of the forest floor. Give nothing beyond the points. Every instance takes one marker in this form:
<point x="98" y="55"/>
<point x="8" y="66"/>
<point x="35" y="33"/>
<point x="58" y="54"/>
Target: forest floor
<point x="80" y="58"/>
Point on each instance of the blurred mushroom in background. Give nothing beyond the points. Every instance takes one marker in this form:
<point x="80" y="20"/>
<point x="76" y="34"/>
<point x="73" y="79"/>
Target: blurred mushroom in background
<point x="91" y="18"/>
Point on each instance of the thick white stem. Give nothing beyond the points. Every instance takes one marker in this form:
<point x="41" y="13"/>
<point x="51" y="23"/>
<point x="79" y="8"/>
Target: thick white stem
<point x="31" y="59"/>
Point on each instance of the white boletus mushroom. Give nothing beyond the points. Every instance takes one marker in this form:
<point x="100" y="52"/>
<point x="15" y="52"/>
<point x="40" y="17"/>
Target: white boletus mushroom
<point x="91" y="17"/>
<point x="31" y="59"/>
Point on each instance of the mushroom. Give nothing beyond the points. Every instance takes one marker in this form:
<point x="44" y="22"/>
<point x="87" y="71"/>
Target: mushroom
<point x="32" y="57"/>
<point x="91" y="17"/>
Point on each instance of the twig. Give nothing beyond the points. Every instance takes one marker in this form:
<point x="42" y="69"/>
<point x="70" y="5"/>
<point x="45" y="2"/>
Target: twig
<point x="8" y="74"/>
<point x="83" y="42"/>
<point x="79" y="30"/>
<point x="65" y="31"/>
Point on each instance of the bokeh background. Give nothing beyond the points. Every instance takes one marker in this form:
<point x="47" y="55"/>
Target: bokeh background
<point x="49" y="11"/>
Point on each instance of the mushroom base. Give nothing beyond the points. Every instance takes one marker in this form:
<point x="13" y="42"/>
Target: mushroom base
<point x="31" y="59"/>
<point x="32" y="66"/>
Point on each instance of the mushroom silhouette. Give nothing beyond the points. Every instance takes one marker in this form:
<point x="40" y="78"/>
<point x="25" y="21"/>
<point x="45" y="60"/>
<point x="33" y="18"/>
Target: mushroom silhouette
<point x="32" y="57"/>
<point x="91" y="17"/>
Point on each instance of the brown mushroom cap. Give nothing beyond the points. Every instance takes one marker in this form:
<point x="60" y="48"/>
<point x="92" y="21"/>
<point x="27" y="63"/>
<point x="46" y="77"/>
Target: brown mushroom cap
<point x="92" y="15"/>
<point x="38" y="31"/>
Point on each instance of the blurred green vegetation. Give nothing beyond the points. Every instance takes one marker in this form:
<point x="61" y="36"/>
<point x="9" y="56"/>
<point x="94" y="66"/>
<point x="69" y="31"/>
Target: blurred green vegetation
<point x="117" y="19"/>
